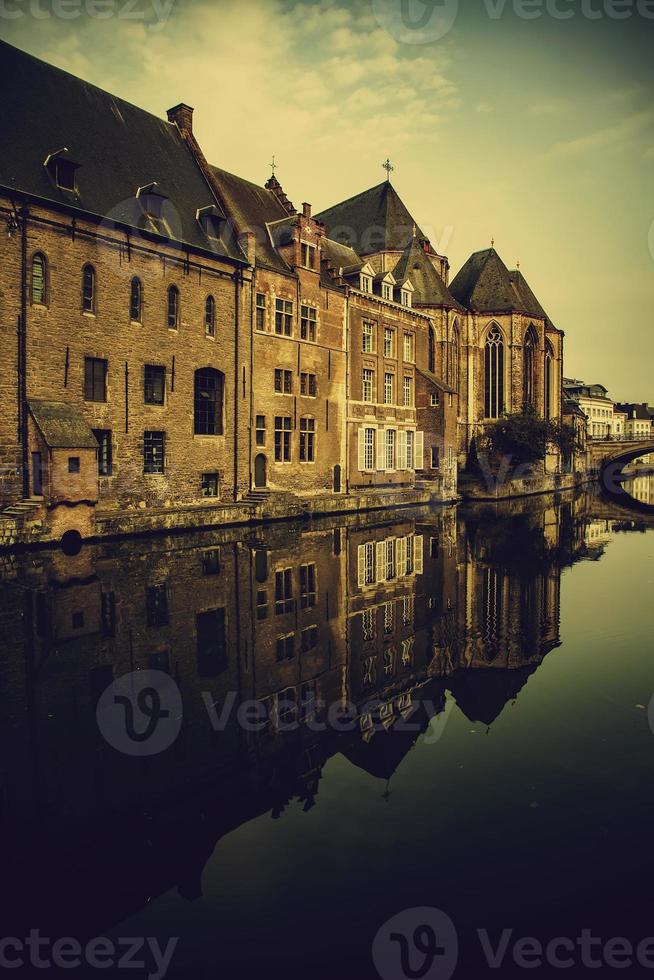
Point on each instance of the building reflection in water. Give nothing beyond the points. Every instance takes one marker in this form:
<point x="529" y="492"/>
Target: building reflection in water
<point x="388" y="619"/>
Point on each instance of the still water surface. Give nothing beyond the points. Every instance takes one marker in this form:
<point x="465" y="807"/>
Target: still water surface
<point x="496" y="761"/>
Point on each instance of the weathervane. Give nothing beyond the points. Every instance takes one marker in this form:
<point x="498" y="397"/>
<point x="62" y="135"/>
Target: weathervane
<point x="273" y="165"/>
<point x="388" y="167"/>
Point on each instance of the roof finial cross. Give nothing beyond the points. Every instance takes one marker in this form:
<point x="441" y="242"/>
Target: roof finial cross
<point x="273" y="165"/>
<point x="492" y="243"/>
<point x="388" y="167"/>
<point x="518" y="265"/>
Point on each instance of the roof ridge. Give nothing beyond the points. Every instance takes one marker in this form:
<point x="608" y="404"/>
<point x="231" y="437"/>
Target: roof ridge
<point x="348" y="200"/>
<point x="86" y="83"/>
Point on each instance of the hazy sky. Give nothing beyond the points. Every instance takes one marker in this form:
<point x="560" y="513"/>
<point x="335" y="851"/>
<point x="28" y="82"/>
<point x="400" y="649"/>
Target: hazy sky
<point x="537" y="131"/>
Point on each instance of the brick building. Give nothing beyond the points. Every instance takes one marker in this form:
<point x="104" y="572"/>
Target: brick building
<point x="179" y="339"/>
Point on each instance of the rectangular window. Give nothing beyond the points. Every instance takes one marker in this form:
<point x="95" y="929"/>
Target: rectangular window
<point x="211" y="562"/>
<point x="368" y="337"/>
<point x="387" y="292"/>
<point x="410" y="459"/>
<point x="283" y="439"/>
<point x="368" y="625"/>
<point x="435" y="462"/>
<point x="369" y="563"/>
<point x="408" y="347"/>
<point x="407" y="610"/>
<point x="154" y="384"/>
<point x="260" y="437"/>
<point x="73" y="464"/>
<point x="260" y="313"/>
<point x="389" y="342"/>
<point x="389" y="388"/>
<point x="309" y="639"/>
<point x="211" y="647"/>
<point x="390" y="449"/>
<point x="369" y="449"/>
<point x="156" y="605"/>
<point x="209" y="484"/>
<point x="283" y="317"/>
<point x="95" y="379"/>
<point x="283" y="381"/>
<point x="108" y="613"/>
<point x="390" y="559"/>
<point x="153" y="451"/>
<point x="308" y="385"/>
<point x="307" y="440"/>
<point x="365" y="283"/>
<point x="368" y="384"/>
<point x="103" y="438"/>
<point x="407" y="391"/>
<point x="262" y="604"/>
<point x="450" y="458"/>
<point x="308" y="255"/>
<point x="434" y="400"/>
<point x="285" y="647"/>
<point x="284" y="591"/>
<point x="389" y="618"/>
<point x="307" y="323"/>
<point x="307" y="586"/>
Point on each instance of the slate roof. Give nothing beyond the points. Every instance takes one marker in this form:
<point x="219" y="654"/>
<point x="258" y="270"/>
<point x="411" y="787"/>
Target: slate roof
<point x="429" y="288"/>
<point x="118" y="147"/>
<point x="254" y="208"/>
<point x="374" y="221"/>
<point x="634" y="411"/>
<point x="485" y="285"/>
<point x="341" y="256"/>
<point x="62" y="425"/>
<point x="436" y="381"/>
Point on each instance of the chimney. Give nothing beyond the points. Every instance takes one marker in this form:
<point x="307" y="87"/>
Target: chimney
<point x="182" y="116"/>
<point x="306" y="210"/>
<point x="248" y="242"/>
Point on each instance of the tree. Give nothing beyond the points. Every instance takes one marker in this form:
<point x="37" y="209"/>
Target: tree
<point x="522" y="435"/>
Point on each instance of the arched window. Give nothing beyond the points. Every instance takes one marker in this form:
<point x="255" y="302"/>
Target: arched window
<point x="173" y="307"/>
<point x="39" y="284"/>
<point x="208" y="402"/>
<point x="454" y="354"/>
<point x="210" y="317"/>
<point x="88" y="289"/>
<point x="432" y="350"/>
<point x="549" y="377"/>
<point x="136" y="300"/>
<point x="494" y="374"/>
<point x="529" y="366"/>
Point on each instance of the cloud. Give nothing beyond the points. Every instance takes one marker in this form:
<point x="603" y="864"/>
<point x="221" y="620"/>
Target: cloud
<point x="632" y="128"/>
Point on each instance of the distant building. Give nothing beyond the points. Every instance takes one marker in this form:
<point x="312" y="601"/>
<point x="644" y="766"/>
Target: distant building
<point x="599" y="408"/>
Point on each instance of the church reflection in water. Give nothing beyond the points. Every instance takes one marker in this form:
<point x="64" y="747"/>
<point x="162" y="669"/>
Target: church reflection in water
<point x="396" y="618"/>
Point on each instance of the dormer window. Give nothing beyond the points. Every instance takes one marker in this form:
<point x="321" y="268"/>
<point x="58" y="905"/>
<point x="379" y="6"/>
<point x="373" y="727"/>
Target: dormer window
<point x="211" y="220"/>
<point x="387" y="292"/>
<point x="405" y="297"/>
<point x="62" y="170"/>
<point x="366" y="283"/>
<point x="152" y="203"/>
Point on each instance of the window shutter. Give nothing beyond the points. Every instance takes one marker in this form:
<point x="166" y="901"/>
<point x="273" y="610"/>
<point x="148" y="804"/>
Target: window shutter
<point x="362" y="557"/>
<point x="417" y="554"/>
<point x="401" y="557"/>
<point x="381" y="449"/>
<point x="419" y="451"/>
<point x="362" y="449"/>
<point x="381" y="560"/>
<point x="401" y="450"/>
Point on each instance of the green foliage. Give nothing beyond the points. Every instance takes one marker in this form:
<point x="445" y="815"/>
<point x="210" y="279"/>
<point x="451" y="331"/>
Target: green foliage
<point x="563" y="436"/>
<point x="523" y="436"/>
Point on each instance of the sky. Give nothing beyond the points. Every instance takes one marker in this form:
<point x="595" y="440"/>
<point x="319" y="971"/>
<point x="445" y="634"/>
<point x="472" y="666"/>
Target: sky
<point x="530" y="122"/>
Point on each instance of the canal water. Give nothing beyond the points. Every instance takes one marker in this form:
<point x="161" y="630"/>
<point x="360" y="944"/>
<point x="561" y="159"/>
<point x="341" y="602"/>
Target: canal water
<point x="391" y="744"/>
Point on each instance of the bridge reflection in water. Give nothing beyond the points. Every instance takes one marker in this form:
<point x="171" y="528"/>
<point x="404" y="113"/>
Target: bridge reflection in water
<point x="398" y="616"/>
